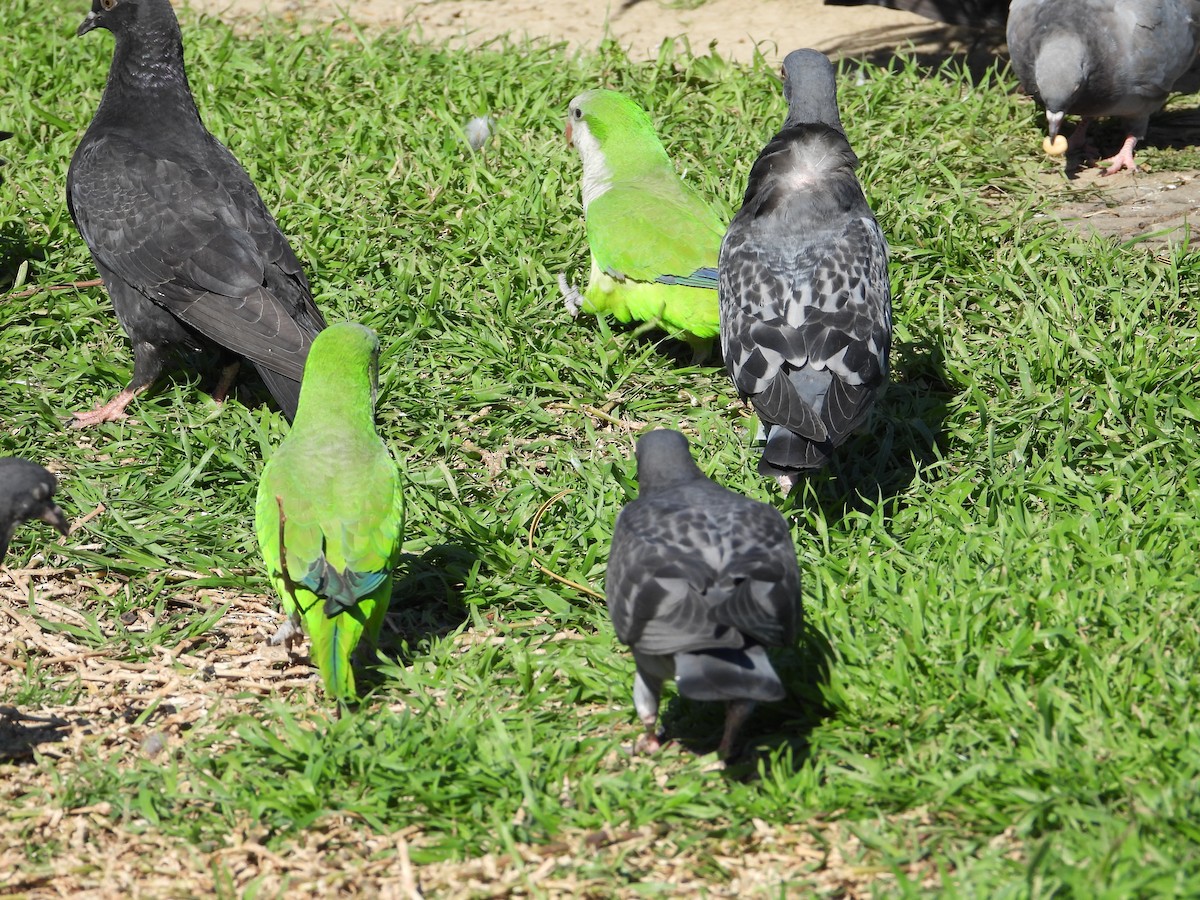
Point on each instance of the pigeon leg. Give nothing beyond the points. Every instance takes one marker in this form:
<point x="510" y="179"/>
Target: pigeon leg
<point x="112" y="411"/>
<point x="646" y="691"/>
<point x="228" y="373"/>
<point x="1078" y="141"/>
<point x="570" y="294"/>
<point x="736" y="713"/>
<point x="1123" y="159"/>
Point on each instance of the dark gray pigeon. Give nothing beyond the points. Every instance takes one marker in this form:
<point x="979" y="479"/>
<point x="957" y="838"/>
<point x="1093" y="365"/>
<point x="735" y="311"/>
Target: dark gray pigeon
<point x="26" y="492"/>
<point x="1102" y="58"/>
<point x="700" y="581"/>
<point x="806" y="308"/>
<point x="189" y="253"/>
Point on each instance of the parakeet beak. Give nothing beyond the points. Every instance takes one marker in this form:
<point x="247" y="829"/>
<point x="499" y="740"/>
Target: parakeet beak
<point x="52" y="515"/>
<point x="567" y="132"/>
<point x="1054" y="122"/>
<point x="87" y="25"/>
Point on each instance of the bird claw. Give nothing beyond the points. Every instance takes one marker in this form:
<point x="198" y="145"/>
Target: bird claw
<point x="1123" y="161"/>
<point x="287" y="635"/>
<point x="112" y="411"/>
<point x="570" y="294"/>
<point x="648" y="742"/>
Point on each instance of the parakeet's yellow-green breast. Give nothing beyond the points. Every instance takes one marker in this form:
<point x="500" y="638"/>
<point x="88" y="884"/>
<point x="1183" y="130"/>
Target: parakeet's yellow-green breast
<point x="654" y="241"/>
<point x="336" y="490"/>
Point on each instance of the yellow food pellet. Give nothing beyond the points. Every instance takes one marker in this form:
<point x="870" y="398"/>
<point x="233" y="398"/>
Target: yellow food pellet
<point x="1057" y="147"/>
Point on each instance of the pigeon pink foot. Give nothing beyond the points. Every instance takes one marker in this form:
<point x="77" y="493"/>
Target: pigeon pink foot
<point x="1123" y="160"/>
<point x="112" y="411"/>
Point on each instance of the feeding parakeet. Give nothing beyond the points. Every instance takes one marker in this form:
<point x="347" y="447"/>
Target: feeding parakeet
<point x="654" y="241"/>
<point x="329" y="512"/>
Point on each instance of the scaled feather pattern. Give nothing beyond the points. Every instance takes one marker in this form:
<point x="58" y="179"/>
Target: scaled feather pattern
<point x="806" y="316"/>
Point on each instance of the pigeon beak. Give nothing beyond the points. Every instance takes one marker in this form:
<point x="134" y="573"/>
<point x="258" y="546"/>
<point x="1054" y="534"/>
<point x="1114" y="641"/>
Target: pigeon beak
<point x="52" y="515"/>
<point x="567" y="132"/>
<point x="87" y="25"/>
<point x="1054" y="123"/>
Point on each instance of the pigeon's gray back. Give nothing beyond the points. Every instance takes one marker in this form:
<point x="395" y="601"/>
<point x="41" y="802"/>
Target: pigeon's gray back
<point x="804" y="296"/>
<point x="697" y="566"/>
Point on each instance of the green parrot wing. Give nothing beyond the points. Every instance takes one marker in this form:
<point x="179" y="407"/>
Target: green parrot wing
<point x="668" y="236"/>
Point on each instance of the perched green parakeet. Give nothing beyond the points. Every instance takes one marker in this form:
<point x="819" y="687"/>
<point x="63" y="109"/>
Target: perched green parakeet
<point x="654" y="241"/>
<point x="336" y="489"/>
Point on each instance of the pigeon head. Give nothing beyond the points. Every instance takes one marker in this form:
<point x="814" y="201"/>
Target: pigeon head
<point x="615" y="139"/>
<point x="124" y="16"/>
<point x="810" y="88"/>
<point x="1061" y="72"/>
<point x="26" y="492"/>
<point x="664" y="460"/>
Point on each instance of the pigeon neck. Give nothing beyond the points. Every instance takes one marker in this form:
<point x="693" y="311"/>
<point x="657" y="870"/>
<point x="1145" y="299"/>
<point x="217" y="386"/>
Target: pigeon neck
<point x="150" y="66"/>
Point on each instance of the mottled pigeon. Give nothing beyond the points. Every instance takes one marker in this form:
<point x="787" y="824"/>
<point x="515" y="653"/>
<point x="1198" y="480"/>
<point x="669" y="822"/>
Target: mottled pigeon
<point x="806" y="313"/>
<point x="26" y="492"/>
<point x="700" y="581"/>
<point x="189" y="253"/>
<point x="1102" y="58"/>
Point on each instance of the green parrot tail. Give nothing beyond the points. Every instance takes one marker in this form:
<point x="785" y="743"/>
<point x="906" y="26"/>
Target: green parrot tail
<point x="333" y="642"/>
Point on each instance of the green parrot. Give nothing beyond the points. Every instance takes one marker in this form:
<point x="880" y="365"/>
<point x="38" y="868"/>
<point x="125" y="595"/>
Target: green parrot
<point x="654" y="241"/>
<point x="329" y="512"/>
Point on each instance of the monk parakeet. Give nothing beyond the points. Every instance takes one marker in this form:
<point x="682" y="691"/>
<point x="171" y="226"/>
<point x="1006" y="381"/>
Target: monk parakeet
<point x="329" y="512"/>
<point x="654" y="241"/>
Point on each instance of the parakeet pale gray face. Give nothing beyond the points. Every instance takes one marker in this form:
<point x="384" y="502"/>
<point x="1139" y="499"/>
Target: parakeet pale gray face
<point x="596" y="176"/>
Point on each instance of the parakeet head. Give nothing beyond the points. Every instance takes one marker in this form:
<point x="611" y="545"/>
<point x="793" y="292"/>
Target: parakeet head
<point x="810" y="88"/>
<point x="341" y="372"/>
<point x="615" y="139"/>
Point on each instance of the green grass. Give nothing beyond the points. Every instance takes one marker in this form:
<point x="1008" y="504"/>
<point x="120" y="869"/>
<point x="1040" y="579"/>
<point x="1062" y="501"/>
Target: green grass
<point x="998" y="684"/>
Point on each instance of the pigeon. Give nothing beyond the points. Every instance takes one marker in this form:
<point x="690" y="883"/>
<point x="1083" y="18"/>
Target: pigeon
<point x="970" y="13"/>
<point x="329" y="511"/>
<point x="654" y="241"/>
<point x="1102" y="58"/>
<point x="806" y="309"/>
<point x="700" y="581"/>
<point x="26" y="492"/>
<point x="190" y="255"/>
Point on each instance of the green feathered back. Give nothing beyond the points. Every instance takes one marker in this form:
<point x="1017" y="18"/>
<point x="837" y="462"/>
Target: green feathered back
<point x="340" y="494"/>
<point x="654" y="240"/>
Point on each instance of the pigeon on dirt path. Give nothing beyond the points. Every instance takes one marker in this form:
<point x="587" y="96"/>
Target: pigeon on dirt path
<point x="188" y="251"/>
<point x="26" y="492"/>
<point x="700" y="581"/>
<point x="806" y="312"/>
<point x="1102" y="58"/>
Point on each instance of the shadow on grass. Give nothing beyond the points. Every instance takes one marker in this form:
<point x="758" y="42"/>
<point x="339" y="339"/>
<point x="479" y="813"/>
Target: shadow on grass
<point x="21" y="734"/>
<point x="905" y="435"/>
<point x="15" y="248"/>
<point x="426" y="602"/>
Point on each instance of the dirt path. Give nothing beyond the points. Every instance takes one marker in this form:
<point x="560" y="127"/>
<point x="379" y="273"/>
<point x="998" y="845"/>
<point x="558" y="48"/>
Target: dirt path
<point x="736" y="25"/>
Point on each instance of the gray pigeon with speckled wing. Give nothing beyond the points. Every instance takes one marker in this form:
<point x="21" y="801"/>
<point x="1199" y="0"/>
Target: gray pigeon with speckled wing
<point x="26" y="493"/>
<point x="806" y="309"/>
<point x="1102" y="58"/>
<point x="189" y="253"/>
<point x="700" y="581"/>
